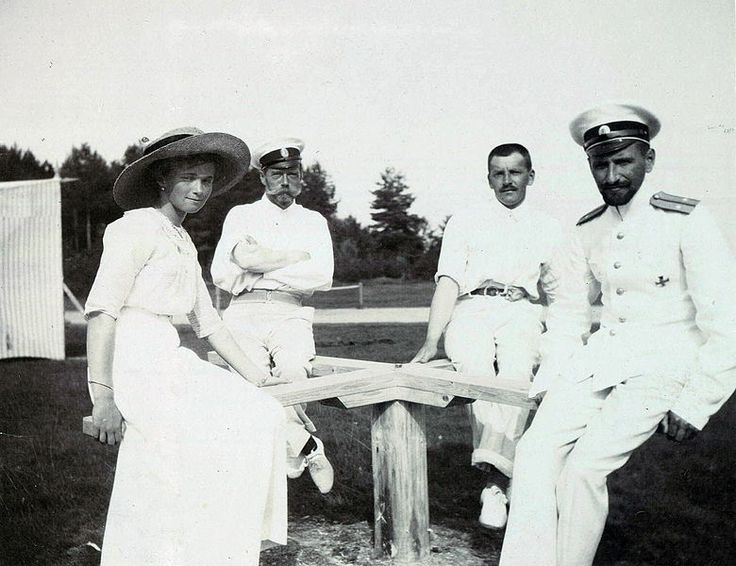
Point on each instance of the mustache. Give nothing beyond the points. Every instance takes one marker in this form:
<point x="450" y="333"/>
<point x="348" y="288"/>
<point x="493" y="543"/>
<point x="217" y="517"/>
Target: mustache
<point x="282" y="191"/>
<point x="614" y="186"/>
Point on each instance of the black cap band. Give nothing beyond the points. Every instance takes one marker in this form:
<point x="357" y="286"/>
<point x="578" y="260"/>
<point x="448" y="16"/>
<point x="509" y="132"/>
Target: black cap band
<point x="279" y="155"/>
<point x="615" y="132"/>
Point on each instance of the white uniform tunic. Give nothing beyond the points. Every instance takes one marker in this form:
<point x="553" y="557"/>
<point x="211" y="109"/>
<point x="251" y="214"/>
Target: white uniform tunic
<point x="667" y="342"/>
<point x="512" y="247"/>
<point x="200" y="472"/>
<point x="275" y="333"/>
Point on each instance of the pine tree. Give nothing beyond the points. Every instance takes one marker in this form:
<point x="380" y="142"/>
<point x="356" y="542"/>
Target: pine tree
<point x="89" y="200"/>
<point x="318" y="192"/>
<point x="397" y="232"/>
<point x="19" y="165"/>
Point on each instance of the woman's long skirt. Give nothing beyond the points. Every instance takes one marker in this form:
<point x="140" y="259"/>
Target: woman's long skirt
<point x="201" y="475"/>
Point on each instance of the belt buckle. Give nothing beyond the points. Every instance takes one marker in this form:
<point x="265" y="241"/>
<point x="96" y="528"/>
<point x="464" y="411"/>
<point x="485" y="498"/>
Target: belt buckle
<point x="268" y="296"/>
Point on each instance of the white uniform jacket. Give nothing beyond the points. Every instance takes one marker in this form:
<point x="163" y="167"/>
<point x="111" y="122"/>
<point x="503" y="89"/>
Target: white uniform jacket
<point x="295" y="228"/>
<point x="667" y="282"/>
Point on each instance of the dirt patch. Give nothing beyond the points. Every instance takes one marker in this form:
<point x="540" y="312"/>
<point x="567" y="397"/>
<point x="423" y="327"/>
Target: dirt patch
<point x="315" y="542"/>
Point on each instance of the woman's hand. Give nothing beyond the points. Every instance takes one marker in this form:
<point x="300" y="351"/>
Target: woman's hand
<point x="107" y="420"/>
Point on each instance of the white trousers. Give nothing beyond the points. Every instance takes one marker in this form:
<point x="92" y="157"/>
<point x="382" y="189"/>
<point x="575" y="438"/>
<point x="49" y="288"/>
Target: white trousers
<point x="483" y="330"/>
<point x="278" y="336"/>
<point x="578" y="437"/>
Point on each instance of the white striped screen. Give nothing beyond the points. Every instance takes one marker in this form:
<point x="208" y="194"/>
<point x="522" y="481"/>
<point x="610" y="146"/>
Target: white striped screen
<point x="31" y="277"/>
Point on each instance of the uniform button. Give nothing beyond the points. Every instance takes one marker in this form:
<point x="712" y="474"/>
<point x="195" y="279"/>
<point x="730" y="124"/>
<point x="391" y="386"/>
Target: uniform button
<point x="620" y="235"/>
<point x="622" y="319"/>
<point x="612" y="332"/>
<point x="620" y="291"/>
<point x="617" y="265"/>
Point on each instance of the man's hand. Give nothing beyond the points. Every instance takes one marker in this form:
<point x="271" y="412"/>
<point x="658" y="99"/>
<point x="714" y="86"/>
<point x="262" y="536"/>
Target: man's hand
<point x="426" y="353"/>
<point x="107" y="421"/>
<point x="676" y="428"/>
<point x="275" y="379"/>
<point x="514" y="294"/>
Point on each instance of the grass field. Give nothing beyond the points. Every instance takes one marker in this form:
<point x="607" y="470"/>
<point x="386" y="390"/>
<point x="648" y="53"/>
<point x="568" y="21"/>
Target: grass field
<point x="377" y="293"/>
<point x="672" y="504"/>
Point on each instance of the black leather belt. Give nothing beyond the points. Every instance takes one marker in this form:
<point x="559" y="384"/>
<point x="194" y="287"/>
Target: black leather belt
<point x="488" y="291"/>
<point x="509" y="292"/>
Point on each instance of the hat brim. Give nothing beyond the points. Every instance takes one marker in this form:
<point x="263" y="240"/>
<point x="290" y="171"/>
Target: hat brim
<point x="134" y="187"/>
<point x="612" y="146"/>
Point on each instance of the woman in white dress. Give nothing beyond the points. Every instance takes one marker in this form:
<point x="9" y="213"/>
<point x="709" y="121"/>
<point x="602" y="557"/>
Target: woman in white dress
<point x="201" y="475"/>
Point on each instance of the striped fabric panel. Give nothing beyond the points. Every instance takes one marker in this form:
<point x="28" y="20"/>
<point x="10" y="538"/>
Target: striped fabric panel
<point x="31" y="277"/>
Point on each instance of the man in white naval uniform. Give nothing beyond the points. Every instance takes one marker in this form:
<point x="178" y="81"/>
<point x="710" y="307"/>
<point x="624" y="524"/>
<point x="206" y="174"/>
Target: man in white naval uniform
<point x="492" y="258"/>
<point x="272" y="254"/>
<point x="664" y="356"/>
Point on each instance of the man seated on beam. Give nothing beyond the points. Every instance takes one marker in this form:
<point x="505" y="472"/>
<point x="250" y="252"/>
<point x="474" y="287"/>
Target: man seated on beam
<point x="664" y="356"/>
<point x="272" y="254"/>
<point x="494" y="254"/>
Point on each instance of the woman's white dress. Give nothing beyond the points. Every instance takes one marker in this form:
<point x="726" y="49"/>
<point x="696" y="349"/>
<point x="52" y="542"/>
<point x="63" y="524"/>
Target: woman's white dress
<point x="201" y="475"/>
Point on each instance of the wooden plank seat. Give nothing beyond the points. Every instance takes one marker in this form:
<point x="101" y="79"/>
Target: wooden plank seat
<point x="398" y="394"/>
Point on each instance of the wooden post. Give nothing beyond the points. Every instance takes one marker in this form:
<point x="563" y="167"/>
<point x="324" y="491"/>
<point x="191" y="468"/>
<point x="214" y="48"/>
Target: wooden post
<point x="401" y="506"/>
<point x="360" y="294"/>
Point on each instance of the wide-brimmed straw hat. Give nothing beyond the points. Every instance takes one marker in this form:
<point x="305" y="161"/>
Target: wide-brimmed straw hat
<point x="135" y="186"/>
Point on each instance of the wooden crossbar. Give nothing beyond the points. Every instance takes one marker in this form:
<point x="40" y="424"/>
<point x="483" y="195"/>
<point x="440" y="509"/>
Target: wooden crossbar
<point x="343" y="377"/>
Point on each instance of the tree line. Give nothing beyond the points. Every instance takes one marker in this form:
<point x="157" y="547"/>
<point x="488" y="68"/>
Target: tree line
<point x="397" y="244"/>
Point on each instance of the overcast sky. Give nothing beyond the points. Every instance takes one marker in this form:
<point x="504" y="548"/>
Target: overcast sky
<point x="424" y="87"/>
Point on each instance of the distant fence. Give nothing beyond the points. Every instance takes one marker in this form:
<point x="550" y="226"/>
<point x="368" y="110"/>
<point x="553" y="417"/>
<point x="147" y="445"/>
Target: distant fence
<point x="220" y="297"/>
<point x="358" y="286"/>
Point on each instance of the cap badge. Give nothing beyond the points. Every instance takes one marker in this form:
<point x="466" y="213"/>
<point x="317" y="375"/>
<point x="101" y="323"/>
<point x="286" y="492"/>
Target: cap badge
<point x="603" y="130"/>
<point x="284" y="152"/>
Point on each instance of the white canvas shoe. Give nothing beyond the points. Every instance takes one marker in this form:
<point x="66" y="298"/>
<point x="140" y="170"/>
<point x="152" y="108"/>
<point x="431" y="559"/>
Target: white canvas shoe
<point x="295" y="466"/>
<point x="323" y="475"/>
<point x="493" y="513"/>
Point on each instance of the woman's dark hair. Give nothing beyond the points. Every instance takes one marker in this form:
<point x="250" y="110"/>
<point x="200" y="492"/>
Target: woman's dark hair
<point x="506" y="149"/>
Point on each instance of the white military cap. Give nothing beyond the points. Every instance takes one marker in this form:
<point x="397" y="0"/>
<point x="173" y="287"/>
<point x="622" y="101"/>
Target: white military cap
<point x="277" y="151"/>
<point x="612" y="127"/>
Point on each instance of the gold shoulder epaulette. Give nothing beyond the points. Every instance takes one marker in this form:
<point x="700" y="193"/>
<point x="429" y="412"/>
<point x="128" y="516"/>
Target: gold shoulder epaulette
<point x="595" y="213"/>
<point x="674" y="203"/>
